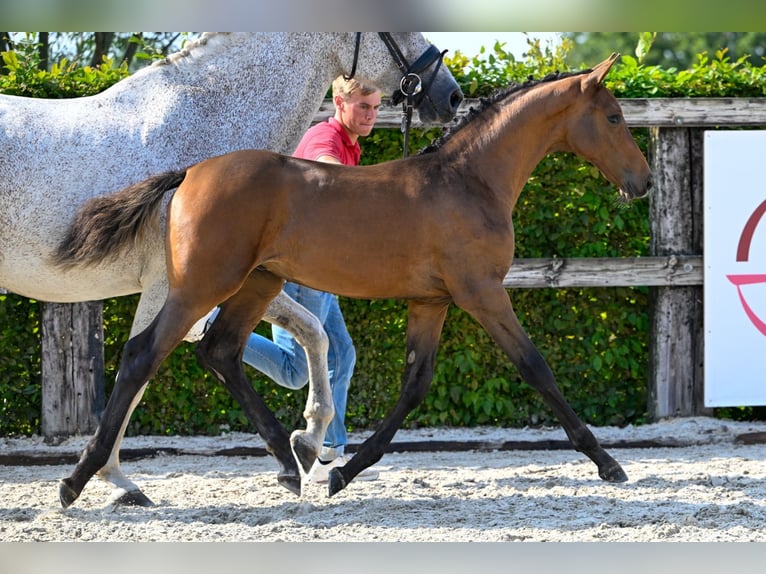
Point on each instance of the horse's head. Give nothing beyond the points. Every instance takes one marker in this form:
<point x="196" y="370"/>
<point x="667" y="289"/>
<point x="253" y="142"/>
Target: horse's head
<point x="405" y="61"/>
<point x="599" y="134"/>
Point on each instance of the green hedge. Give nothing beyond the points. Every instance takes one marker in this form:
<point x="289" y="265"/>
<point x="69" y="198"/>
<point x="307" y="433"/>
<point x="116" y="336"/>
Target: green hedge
<point x="594" y="339"/>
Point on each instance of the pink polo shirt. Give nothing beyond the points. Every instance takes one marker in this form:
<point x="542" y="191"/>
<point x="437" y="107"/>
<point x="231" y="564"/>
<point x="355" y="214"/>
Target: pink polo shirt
<point x="328" y="138"/>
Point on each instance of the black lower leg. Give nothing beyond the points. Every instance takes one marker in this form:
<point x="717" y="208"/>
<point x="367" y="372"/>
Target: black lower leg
<point x="537" y="373"/>
<point x="229" y="371"/>
<point x="417" y="380"/>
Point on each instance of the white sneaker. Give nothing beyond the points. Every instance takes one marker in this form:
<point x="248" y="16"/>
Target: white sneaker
<point x="198" y="329"/>
<point x="320" y="472"/>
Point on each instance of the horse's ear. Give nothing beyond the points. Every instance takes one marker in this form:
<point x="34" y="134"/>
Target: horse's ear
<point x="598" y="73"/>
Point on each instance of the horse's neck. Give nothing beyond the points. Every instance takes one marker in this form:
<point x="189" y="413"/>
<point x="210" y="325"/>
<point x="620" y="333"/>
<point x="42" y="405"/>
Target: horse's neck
<point x="506" y="146"/>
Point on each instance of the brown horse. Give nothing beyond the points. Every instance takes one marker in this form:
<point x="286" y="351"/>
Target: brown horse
<point x="433" y="229"/>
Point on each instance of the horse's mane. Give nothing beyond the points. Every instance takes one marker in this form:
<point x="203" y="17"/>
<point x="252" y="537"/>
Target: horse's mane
<point x="190" y="45"/>
<point x="489" y="102"/>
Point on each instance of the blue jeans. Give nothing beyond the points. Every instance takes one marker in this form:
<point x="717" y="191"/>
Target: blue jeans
<point x="284" y="361"/>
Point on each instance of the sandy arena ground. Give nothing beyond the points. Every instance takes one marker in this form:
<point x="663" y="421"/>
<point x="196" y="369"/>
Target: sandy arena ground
<point x="713" y="488"/>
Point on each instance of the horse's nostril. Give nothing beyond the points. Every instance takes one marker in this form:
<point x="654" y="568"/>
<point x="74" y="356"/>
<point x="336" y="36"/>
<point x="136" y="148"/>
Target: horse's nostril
<point x="649" y="183"/>
<point x="455" y="98"/>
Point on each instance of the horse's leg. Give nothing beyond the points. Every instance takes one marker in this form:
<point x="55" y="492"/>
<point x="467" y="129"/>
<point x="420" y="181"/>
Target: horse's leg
<point x="285" y="312"/>
<point x="125" y="491"/>
<point x="424" y="325"/>
<point x="236" y="319"/>
<point x="141" y="357"/>
<point x="493" y="310"/>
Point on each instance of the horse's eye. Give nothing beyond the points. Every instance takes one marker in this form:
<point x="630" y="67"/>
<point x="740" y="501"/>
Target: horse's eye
<point x="614" y="119"/>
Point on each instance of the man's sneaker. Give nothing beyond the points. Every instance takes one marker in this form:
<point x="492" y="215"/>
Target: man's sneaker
<point x="320" y="471"/>
<point x="199" y="329"/>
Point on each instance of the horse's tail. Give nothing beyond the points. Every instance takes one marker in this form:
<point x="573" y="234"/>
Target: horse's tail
<point x="106" y="226"/>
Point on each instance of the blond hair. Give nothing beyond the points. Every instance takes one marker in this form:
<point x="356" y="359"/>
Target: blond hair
<point x="344" y="88"/>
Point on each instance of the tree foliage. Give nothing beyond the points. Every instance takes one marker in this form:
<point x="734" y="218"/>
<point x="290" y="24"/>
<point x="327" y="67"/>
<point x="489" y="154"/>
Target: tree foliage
<point x="678" y="50"/>
<point x="80" y="49"/>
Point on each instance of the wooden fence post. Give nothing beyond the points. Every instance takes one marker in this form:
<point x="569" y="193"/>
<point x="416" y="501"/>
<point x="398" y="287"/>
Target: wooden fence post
<point x="73" y="394"/>
<point x="676" y="382"/>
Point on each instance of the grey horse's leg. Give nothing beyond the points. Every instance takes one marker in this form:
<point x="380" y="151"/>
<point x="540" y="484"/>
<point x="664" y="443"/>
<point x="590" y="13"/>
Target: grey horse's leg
<point x="285" y="312"/>
<point x="220" y="351"/>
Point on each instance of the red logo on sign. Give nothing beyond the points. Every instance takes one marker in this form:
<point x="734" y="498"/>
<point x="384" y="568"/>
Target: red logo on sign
<point x="743" y="254"/>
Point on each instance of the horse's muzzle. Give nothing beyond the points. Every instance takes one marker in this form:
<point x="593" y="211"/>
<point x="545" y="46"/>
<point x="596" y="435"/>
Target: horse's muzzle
<point x="631" y="190"/>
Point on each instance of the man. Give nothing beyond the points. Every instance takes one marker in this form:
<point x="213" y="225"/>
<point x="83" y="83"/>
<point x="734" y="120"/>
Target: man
<point x="282" y="359"/>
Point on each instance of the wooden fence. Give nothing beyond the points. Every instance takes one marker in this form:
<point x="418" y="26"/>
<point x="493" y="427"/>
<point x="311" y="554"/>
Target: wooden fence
<point x="73" y="383"/>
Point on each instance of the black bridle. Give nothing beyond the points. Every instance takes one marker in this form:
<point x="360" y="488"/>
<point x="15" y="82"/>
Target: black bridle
<point x="412" y="89"/>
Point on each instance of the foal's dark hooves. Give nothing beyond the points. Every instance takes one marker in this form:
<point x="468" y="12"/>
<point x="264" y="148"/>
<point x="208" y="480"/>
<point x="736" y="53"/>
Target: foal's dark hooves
<point x="336" y="482"/>
<point x="290" y="482"/>
<point x="304" y="450"/>
<point x="67" y="495"/>
<point x="613" y="473"/>
<point x="134" y="498"/>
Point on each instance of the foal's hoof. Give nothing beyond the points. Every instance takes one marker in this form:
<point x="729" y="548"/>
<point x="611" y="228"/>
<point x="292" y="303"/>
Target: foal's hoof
<point x="291" y="482"/>
<point x="132" y="498"/>
<point x="67" y="495"/>
<point x="304" y="450"/>
<point x="613" y="473"/>
<point x="335" y="482"/>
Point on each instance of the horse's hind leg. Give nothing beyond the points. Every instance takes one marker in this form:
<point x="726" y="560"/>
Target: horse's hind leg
<point x="124" y="491"/>
<point x="234" y="322"/>
<point x="285" y="312"/>
<point x="141" y="357"/>
<point x="495" y="313"/>
<point x="424" y="325"/>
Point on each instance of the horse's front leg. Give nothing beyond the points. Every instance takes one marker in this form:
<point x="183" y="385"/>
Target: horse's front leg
<point x="493" y="310"/>
<point x="235" y="321"/>
<point x="285" y="312"/>
<point x="424" y="325"/>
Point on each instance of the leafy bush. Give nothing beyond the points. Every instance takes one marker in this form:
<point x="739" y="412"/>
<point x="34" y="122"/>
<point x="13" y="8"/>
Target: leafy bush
<point x="20" y="382"/>
<point x="64" y="80"/>
<point x="594" y="339"/>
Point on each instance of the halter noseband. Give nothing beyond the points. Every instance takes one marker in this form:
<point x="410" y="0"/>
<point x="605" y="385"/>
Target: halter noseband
<point x="411" y="88"/>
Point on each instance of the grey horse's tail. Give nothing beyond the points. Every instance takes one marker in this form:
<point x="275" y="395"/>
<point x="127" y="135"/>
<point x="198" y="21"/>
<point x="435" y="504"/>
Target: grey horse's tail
<point x="106" y="226"/>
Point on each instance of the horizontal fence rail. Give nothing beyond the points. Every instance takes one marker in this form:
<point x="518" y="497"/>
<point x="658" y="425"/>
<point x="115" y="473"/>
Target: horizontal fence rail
<point x="649" y="112"/>
<point x="563" y="272"/>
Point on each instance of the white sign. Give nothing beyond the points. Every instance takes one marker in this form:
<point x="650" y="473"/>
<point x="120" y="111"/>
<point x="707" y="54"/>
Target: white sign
<point x="735" y="268"/>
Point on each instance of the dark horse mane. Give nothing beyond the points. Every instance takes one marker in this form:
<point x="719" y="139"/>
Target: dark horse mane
<point x="490" y="101"/>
